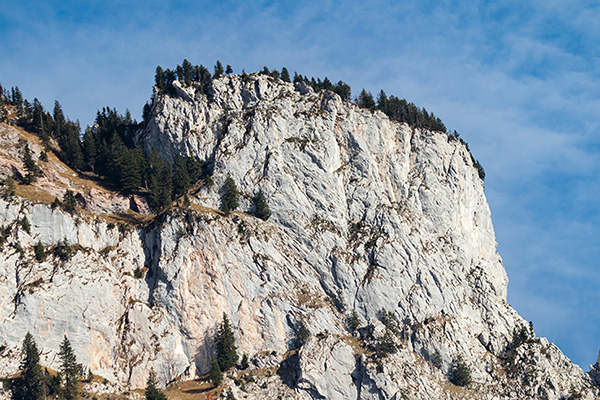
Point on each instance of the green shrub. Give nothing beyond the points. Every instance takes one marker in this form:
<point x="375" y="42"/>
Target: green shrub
<point x="245" y="363"/>
<point x="460" y="374"/>
<point x="40" y="255"/>
<point x="302" y="333"/>
<point x="386" y="345"/>
<point x="353" y="321"/>
<point x="26" y="225"/>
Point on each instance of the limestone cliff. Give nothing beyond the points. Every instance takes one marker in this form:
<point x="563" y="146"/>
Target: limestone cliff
<point x="368" y="216"/>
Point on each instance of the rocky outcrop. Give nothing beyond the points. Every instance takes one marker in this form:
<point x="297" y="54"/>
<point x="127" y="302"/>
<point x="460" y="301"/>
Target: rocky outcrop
<point x="369" y="217"/>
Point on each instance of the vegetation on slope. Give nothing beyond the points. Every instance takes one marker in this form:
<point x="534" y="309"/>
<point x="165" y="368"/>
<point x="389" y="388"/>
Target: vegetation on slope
<point x="107" y="148"/>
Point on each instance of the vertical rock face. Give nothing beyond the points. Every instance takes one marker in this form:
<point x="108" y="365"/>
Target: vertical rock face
<point x="369" y="217"/>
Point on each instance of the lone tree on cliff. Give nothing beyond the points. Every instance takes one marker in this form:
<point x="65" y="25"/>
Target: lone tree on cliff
<point x="225" y="342"/>
<point x="30" y="384"/>
<point x="261" y="208"/>
<point x="229" y="195"/>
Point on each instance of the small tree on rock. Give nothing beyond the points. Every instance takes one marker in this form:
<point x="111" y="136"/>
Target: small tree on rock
<point x="460" y="374"/>
<point x="225" y="342"/>
<point x="152" y="390"/>
<point x="69" y="202"/>
<point x="40" y="255"/>
<point x="261" y="208"/>
<point x="229" y="195"/>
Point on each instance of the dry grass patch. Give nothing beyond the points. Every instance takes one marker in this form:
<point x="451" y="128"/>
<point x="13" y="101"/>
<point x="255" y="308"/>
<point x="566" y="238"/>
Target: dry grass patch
<point x="34" y="194"/>
<point x="197" y="389"/>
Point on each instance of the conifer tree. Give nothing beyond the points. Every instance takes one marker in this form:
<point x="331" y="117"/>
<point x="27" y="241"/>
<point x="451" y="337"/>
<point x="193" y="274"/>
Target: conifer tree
<point x="215" y="374"/>
<point x="17" y="97"/>
<point x="188" y="72"/>
<point x="194" y="169"/>
<point x="69" y="370"/>
<point x="229" y="195"/>
<point x="152" y="390"/>
<point x="160" y="181"/>
<point x="179" y="70"/>
<point x="89" y="149"/>
<point x="30" y="384"/>
<point x="261" y="208"/>
<point x="181" y="178"/>
<point x="159" y="78"/>
<point x="33" y="171"/>
<point x="218" y="70"/>
<point x="343" y="90"/>
<point x="37" y="122"/>
<point x="365" y="100"/>
<point x="225" y="343"/>
<point x="69" y="202"/>
<point x="285" y="75"/>
<point x="229" y="70"/>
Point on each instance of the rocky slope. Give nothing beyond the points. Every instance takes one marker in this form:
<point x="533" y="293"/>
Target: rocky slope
<point x="369" y="217"/>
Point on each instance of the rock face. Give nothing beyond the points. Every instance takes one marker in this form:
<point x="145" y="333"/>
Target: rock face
<point x="370" y="218"/>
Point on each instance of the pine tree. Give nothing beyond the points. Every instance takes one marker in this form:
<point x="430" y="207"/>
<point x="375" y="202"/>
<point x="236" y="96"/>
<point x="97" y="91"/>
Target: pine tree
<point x="69" y="370"/>
<point x="218" y="70"/>
<point x="159" y="78"/>
<point x="215" y="374"/>
<point x="261" y="208"/>
<point x="152" y="390"/>
<point x="179" y="70"/>
<point x="160" y="182"/>
<point x="33" y="171"/>
<point x="229" y="195"/>
<point x="181" y="178"/>
<point x="30" y="384"/>
<point x="229" y="70"/>
<point x="37" y="122"/>
<point x="225" y="343"/>
<point x="89" y="149"/>
<point x="194" y="169"/>
<point x="17" y="97"/>
<point x="188" y="72"/>
<point x="285" y="75"/>
<point x="9" y="187"/>
<point x="343" y="90"/>
<point x="365" y="100"/>
<point x="69" y="202"/>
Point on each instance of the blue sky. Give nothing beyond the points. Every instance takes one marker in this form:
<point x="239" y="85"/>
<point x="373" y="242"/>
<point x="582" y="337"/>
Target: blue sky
<point x="519" y="81"/>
